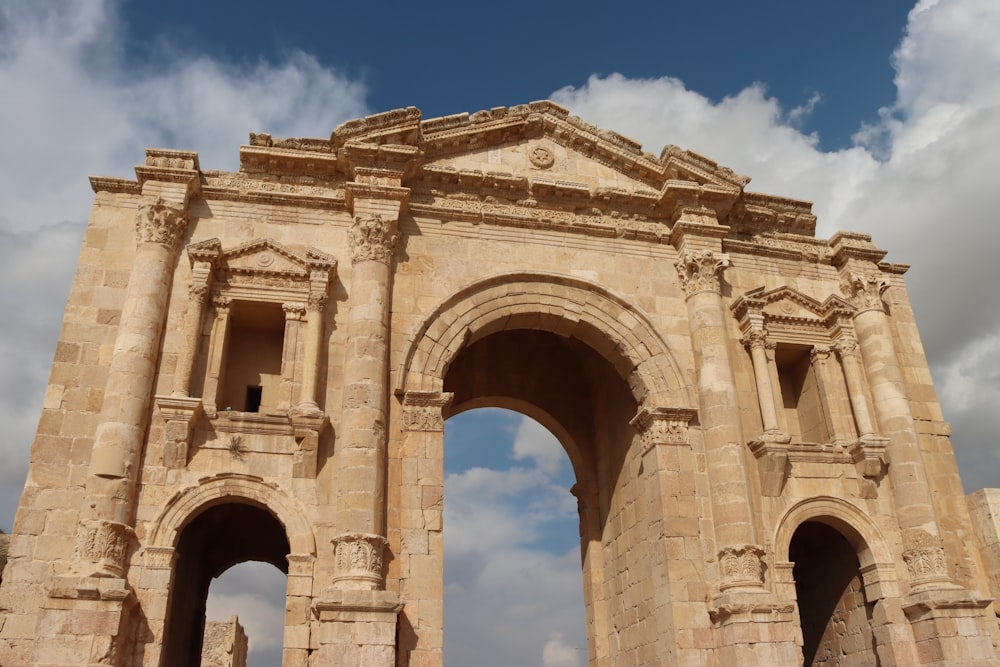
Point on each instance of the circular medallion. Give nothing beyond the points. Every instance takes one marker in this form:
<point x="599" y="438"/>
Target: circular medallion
<point x="541" y="157"/>
<point x="265" y="259"/>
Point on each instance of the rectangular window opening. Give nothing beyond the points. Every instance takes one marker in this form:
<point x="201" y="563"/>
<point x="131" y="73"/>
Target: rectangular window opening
<point x="253" y="399"/>
<point x="801" y="402"/>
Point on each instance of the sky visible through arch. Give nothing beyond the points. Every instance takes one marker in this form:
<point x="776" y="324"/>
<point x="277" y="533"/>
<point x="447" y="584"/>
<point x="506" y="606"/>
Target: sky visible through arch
<point x="885" y="114"/>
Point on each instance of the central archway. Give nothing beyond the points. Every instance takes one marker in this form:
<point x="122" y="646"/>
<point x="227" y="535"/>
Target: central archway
<point x="583" y="363"/>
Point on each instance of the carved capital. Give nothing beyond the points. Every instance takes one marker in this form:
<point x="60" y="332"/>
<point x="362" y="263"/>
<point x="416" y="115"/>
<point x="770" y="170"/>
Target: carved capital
<point x="662" y="426"/>
<point x="294" y="310"/>
<point x="926" y="564"/>
<point x="160" y="222"/>
<point x="221" y="304"/>
<point x="700" y="271"/>
<point x="316" y="302"/>
<point x="373" y="238"/>
<point x="755" y="338"/>
<point x="198" y="293"/>
<point x="741" y="565"/>
<point x="357" y="560"/>
<point x="422" y="410"/>
<point x="865" y="290"/>
<point x="820" y="353"/>
<point x="101" y="546"/>
<point x="846" y="345"/>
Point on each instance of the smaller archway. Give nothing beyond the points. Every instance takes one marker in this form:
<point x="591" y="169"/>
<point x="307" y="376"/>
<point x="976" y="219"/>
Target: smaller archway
<point x="834" y="613"/>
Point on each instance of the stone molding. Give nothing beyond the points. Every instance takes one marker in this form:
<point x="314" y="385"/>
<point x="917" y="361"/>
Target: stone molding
<point x="701" y="271"/>
<point x="926" y="564"/>
<point x="422" y="410"/>
<point x="663" y="426"/>
<point x="373" y="238"/>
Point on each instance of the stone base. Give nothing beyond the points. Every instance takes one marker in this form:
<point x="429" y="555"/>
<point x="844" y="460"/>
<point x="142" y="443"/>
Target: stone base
<point x="356" y="627"/>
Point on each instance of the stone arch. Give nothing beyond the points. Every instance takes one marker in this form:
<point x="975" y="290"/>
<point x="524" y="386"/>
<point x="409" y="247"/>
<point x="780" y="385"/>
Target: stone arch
<point x="188" y="503"/>
<point x="564" y="305"/>
<point x="856" y="526"/>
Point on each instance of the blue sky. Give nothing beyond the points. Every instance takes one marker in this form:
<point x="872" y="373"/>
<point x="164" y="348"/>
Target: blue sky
<point x="885" y="114"/>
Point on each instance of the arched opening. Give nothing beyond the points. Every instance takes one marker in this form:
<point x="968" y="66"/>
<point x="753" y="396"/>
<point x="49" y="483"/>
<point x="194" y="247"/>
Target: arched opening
<point x="512" y="580"/>
<point x="580" y="396"/>
<point x="218" y="538"/>
<point x="253" y="595"/>
<point x="834" y="613"/>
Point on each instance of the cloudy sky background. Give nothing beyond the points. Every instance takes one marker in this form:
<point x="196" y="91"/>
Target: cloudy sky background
<point x="886" y="115"/>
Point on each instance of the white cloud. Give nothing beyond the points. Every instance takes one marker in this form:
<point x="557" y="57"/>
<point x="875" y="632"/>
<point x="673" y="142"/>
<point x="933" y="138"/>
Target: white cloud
<point x="536" y="443"/>
<point x="73" y="106"/>
<point x="255" y="592"/>
<point x="921" y="181"/>
<point x="557" y="653"/>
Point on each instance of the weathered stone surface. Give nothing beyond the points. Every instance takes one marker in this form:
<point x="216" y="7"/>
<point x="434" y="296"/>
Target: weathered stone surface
<point x="763" y="474"/>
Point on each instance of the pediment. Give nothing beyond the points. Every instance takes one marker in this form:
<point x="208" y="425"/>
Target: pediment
<point x="266" y="256"/>
<point x="785" y="304"/>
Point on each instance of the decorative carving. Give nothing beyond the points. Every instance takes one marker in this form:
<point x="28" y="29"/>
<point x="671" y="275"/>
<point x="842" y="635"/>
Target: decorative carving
<point x="422" y="411"/>
<point x="866" y="290"/>
<point x="316" y="302"/>
<point x="373" y="238"/>
<point x="357" y="558"/>
<point x="198" y="293"/>
<point x="755" y="337"/>
<point x="820" y="353"/>
<point x="541" y="157"/>
<point x="104" y="543"/>
<point x="662" y="426"/>
<point x="700" y="271"/>
<point x="741" y="565"/>
<point x="160" y="222"/>
<point x="220" y="302"/>
<point x="846" y="345"/>
<point x="294" y="310"/>
<point x="926" y="563"/>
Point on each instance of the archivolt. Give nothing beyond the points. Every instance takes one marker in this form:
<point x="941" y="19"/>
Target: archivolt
<point x="188" y="503"/>
<point x="851" y="522"/>
<point x="563" y="305"/>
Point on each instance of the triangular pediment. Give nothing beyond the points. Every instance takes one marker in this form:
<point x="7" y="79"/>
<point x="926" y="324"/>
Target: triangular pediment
<point x="270" y="257"/>
<point x="787" y="304"/>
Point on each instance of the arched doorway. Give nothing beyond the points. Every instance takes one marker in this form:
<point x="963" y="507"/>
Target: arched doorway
<point x="512" y="579"/>
<point x="834" y="613"/>
<point x="218" y="538"/>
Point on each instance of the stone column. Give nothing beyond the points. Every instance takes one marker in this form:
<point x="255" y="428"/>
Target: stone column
<point x="319" y="278"/>
<point x="922" y="547"/>
<point x="846" y="348"/>
<point x="770" y="447"/>
<point x="115" y="458"/>
<point x="869" y="452"/>
<point x="217" y="354"/>
<point x="361" y="493"/>
<point x="203" y="258"/>
<point x="741" y="628"/>
<point x="755" y="340"/>
<point x="719" y="413"/>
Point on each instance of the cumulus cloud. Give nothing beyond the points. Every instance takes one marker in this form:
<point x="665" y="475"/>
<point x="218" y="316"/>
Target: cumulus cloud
<point x="920" y="181"/>
<point x="254" y="592"/>
<point x="557" y="653"/>
<point x="534" y="442"/>
<point x="73" y="105"/>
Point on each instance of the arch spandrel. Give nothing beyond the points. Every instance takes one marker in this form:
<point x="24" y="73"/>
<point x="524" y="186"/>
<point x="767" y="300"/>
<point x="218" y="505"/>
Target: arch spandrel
<point x="188" y="503"/>
<point x="560" y="304"/>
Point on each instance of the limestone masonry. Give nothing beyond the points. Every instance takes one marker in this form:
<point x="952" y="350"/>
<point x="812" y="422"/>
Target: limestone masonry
<point x="258" y="366"/>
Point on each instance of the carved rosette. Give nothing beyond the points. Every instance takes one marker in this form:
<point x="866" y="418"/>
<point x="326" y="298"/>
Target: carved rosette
<point x="160" y="222"/>
<point x="662" y="426"/>
<point x="700" y="271"/>
<point x="926" y="564"/>
<point x="104" y="544"/>
<point x="422" y="410"/>
<point x="357" y="560"/>
<point x="866" y="290"/>
<point x="741" y="565"/>
<point x="373" y="238"/>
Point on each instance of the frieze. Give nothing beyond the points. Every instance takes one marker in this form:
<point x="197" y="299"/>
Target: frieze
<point x="373" y="238"/>
<point x="741" y="566"/>
<point x="160" y="222"/>
<point x="663" y="426"/>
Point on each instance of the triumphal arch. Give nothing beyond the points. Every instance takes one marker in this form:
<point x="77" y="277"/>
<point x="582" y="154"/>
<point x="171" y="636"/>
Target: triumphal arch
<point x="257" y="366"/>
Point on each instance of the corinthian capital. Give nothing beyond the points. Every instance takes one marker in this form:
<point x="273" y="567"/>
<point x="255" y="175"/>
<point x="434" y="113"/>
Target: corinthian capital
<point x="700" y="271"/>
<point x="373" y="238"/>
<point x="160" y="221"/>
<point x="866" y="290"/>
